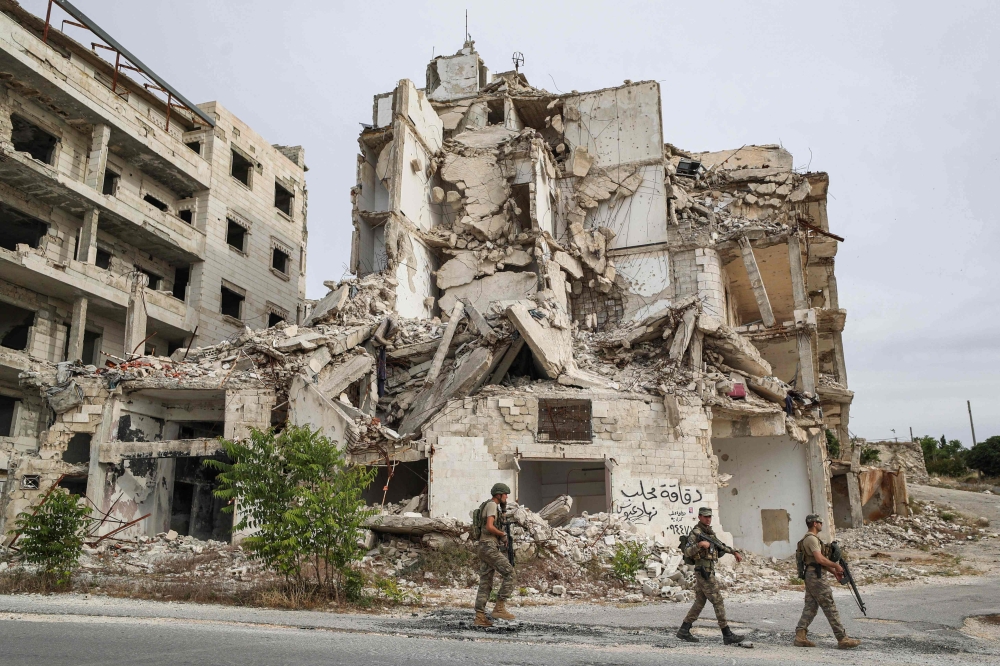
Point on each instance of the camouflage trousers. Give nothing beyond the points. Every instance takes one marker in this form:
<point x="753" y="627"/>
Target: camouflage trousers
<point x="707" y="589"/>
<point x="493" y="560"/>
<point x="819" y="595"/>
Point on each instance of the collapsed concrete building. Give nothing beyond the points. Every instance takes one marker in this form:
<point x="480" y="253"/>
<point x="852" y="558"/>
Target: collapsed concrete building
<point x="131" y="221"/>
<point x="547" y="294"/>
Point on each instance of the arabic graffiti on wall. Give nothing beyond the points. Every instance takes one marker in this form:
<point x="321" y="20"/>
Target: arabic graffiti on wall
<point x="665" y="506"/>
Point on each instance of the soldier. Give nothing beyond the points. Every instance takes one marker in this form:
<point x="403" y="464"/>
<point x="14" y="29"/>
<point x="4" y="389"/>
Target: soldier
<point x="818" y="594"/>
<point x="703" y="547"/>
<point x="493" y="558"/>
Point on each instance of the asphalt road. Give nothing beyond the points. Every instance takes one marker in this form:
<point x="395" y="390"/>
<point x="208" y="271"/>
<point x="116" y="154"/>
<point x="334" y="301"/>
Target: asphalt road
<point x="972" y="504"/>
<point x="912" y="625"/>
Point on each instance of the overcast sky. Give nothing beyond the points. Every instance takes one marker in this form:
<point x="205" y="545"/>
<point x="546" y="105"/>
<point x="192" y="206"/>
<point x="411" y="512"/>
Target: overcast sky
<point x="898" y="102"/>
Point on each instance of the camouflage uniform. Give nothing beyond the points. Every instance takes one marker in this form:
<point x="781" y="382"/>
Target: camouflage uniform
<point x="706" y="584"/>
<point x="493" y="560"/>
<point x="818" y="593"/>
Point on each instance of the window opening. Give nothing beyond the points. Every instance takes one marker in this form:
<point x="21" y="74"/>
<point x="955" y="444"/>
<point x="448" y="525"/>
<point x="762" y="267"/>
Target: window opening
<point x="187" y="216"/>
<point x="279" y="260"/>
<point x="236" y="235"/>
<point x="7" y="408"/>
<point x="78" y="450"/>
<point x="15" y="325"/>
<point x="110" y="185"/>
<point x="274" y="319"/>
<point x="542" y="481"/>
<point x="150" y="199"/>
<point x="103" y="259"/>
<point x="232" y="303"/>
<point x="194" y="509"/>
<point x="154" y="279"/>
<point x="28" y="137"/>
<point x="241" y="167"/>
<point x="282" y="199"/>
<point x="76" y="485"/>
<point x="91" y="347"/>
<point x="564" y="420"/>
<point x="182" y="274"/>
<point x="16" y="228"/>
<point x="194" y="145"/>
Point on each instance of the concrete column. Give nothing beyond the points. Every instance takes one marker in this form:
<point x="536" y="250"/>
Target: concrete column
<point x="97" y="474"/>
<point x="76" y="329"/>
<point x="854" y="488"/>
<point x="97" y="159"/>
<point x="135" y="317"/>
<point x="798" y="278"/>
<point x="807" y="371"/>
<point x="87" y="252"/>
<point x="756" y="283"/>
<point x="819" y="481"/>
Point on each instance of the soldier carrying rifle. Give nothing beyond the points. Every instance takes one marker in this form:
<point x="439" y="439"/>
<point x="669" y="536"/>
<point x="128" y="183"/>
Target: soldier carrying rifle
<point x="813" y="557"/>
<point x="495" y="555"/>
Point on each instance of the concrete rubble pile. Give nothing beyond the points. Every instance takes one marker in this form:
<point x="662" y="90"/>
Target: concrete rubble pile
<point x="928" y="529"/>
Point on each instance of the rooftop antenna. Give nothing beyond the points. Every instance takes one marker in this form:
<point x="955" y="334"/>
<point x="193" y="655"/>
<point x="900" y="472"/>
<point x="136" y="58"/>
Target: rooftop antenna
<point x="518" y="59"/>
<point x="466" y="25"/>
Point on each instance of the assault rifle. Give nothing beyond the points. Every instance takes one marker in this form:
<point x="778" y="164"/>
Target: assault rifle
<point x="847" y="577"/>
<point x="510" y="542"/>
<point x="719" y="546"/>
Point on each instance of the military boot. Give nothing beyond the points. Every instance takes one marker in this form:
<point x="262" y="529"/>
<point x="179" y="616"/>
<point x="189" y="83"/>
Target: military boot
<point x="729" y="638"/>
<point x="482" y="620"/>
<point x="684" y="633"/>
<point x="801" y="640"/>
<point x="500" y="611"/>
<point x="846" y="643"/>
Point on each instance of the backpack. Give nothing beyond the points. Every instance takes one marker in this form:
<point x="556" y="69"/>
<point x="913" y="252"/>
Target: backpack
<point x="477" y="522"/>
<point x="831" y="551"/>
<point x="682" y="544"/>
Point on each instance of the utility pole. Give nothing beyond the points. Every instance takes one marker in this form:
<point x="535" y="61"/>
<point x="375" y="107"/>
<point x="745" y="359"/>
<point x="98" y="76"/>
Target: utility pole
<point x="911" y="434"/>
<point x="968" y="403"/>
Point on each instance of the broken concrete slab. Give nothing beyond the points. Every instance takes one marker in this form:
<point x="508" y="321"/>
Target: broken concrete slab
<point x="574" y="376"/>
<point x="478" y="321"/>
<point x="579" y="162"/>
<point x="305" y="342"/>
<point x="459" y="270"/>
<point x="734" y="348"/>
<point x="551" y="347"/>
<point x="335" y="378"/>
<point x="569" y="264"/>
<point x="457" y="382"/>
<point x="449" y="332"/>
<point x="503" y="286"/>
<point x="414" y="525"/>
<point x="331" y="304"/>
<point x="682" y="336"/>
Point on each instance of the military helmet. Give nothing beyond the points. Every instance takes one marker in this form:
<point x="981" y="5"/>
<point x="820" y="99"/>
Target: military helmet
<point x="813" y="518"/>
<point x="500" y="489"/>
<point x="705" y="511"/>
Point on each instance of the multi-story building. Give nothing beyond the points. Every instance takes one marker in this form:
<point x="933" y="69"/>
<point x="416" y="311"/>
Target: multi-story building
<point x="129" y="223"/>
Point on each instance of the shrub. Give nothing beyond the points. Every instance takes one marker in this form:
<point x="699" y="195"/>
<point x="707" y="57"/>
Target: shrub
<point x="869" y="455"/>
<point x="629" y="559"/>
<point x="296" y="491"/>
<point x="832" y="444"/>
<point x="985" y="456"/>
<point x="52" y="536"/>
<point x="943" y="457"/>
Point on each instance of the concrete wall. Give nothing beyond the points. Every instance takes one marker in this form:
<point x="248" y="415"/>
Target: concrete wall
<point x="768" y="473"/>
<point x="648" y="288"/>
<point x="660" y="473"/>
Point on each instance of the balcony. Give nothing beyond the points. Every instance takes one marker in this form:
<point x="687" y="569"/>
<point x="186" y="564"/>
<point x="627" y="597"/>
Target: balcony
<point x="126" y="217"/>
<point x="42" y="71"/>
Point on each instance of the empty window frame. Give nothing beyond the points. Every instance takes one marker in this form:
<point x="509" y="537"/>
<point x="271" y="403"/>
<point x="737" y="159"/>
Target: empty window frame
<point x="103" y="259"/>
<point x="241" y="168"/>
<point x="8" y="407"/>
<point x="182" y="275"/>
<point x="110" y="185"/>
<point x="28" y="137"/>
<point x="564" y="420"/>
<point x="194" y="145"/>
<point x="283" y="199"/>
<point x="154" y="280"/>
<point x="236" y="235"/>
<point x="16" y="228"/>
<point x="279" y="260"/>
<point x="156" y="203"/>
<point x="232" y="303"/>
<point x="186" y="215"/>
<point x="273" y="319"/>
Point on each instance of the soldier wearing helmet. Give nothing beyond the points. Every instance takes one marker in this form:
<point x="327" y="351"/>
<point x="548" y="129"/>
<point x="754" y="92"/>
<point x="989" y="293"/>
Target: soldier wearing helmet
<point x="492" y="551"/>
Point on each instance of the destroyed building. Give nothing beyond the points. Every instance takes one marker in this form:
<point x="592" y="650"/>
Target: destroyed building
<point x="548" y="294"/>
<point x="131" y="220"/>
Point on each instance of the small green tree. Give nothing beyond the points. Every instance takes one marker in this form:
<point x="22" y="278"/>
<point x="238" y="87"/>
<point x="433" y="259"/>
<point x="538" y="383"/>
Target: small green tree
<point x="869" y="455"/>
<point x="52" y="536"/>
<point x="303" y="503"/>
<point x="985" y="456"/>
<point x="943" y="457"/>
<point x="628" y="560"/>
